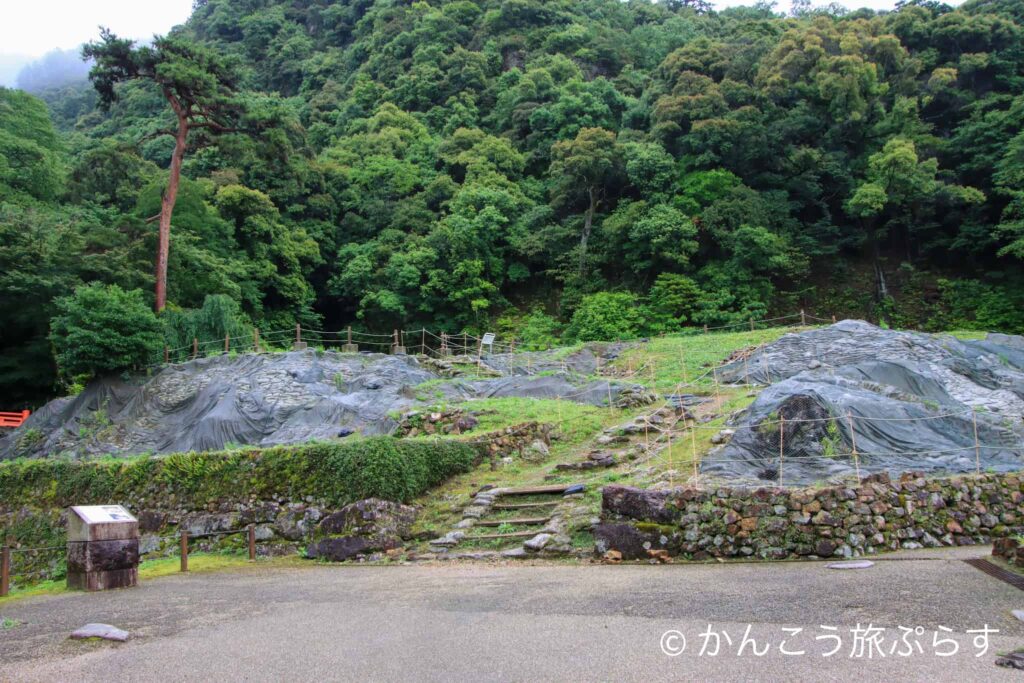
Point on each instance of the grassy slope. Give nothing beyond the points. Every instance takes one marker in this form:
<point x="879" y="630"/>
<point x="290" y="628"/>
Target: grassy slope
<point x="662" y="364"/>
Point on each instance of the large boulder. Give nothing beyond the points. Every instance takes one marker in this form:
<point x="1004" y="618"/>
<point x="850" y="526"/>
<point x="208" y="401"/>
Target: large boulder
<point x="360" y="528"/>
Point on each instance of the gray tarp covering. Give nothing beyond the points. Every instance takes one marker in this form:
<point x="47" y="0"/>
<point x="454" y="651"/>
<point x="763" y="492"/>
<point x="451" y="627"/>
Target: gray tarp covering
<point x="914" y="400"/>
<point x="259" y="399"/>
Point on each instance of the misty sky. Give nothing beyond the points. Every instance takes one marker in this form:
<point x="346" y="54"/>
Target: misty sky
<point x="31" y="28"/>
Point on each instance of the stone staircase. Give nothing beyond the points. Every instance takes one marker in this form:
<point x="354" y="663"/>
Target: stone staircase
<point x="513" y="523"/>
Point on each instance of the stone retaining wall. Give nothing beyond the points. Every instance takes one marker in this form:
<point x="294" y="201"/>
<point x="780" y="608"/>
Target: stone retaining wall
<point x="839" y="521"/>
<point x="285" y="522"/>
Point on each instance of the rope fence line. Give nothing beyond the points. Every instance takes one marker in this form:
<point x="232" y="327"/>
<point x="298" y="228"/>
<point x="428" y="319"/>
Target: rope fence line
<point x="465" y="342"/>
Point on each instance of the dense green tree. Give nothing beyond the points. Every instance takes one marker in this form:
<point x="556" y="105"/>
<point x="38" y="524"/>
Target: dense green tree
<point x="102" y="328"/>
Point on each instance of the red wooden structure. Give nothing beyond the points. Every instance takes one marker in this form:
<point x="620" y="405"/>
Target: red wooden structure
<point x="12" y="420"/>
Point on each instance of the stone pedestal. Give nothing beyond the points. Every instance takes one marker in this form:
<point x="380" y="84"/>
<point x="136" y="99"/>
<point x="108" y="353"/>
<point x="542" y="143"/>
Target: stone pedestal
<point x="398" y="350"/>
<point x="300" y="346"/>
<point x="350" y="348"/>
<point x="103" y="548"/>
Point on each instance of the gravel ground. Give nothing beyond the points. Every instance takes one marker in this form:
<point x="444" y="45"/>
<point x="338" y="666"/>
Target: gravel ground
<point x="513" y="622"/>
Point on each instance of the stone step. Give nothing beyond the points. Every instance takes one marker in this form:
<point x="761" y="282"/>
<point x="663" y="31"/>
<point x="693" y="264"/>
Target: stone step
<point x="518" y="506"/>
<point x="535" y="490"/>
<point x="513" y="534"/>
<point x="523" y="520"/>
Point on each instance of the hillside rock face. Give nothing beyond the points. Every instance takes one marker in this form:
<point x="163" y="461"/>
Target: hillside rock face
<point x="907" y="401"/>
<point x="264" y="399"/>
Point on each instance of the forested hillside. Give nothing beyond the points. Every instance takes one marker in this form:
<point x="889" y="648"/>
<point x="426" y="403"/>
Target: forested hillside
<point x="543" y="168"/>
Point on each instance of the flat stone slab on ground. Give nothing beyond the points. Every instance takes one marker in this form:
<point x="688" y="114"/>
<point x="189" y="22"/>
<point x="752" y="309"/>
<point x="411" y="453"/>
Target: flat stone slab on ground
<point x="855" y="564"/>
<point x="105" y="631"/>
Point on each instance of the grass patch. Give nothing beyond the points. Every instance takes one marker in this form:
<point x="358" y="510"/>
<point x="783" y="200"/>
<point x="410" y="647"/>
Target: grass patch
<point x="198" y="563"/>
<point x="665" y="362"/>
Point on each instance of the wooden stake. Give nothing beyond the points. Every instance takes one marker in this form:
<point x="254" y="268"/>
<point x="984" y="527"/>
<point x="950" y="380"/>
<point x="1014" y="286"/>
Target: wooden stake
<point x="167" y="355"/>
<point x="298" y="333"/>
<point x="252" y="542"/>
<point x="423" y="340"/>
<point x="349" y="337"/>
<point x="751" y="324"/>
<point x="853" y="443"/>
<point x="977" y="446"/>
<point x="184" y="550"/>
<point x="227" y="343"/>
<point x="782" y="436"/>
<point x="256" y="339"/>
<point x="705" y="329"/>
<point x="833" y="318"/>
<point x="693" y="445"/>
<point x="609" y="383"/>
<point x="718" y="395"/>
<point x="671" y="472"/>
<point x="5" y="568"/>
<point x="195" y="347"/>
<point x="803" y="318"/>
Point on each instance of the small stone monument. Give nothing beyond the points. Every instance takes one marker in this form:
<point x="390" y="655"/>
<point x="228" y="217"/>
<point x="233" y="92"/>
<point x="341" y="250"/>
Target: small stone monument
<point x="103" y="548"/>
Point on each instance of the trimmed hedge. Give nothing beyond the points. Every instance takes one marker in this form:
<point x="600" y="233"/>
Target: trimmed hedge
<point x="331" y="473"/>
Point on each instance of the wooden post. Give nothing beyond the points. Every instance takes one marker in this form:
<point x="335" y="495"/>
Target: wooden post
<point x="256" y="339"/>
<point x="479" y="354"/>
<point x="465" y="344"/>
<point x="444" y="344"/>
<point x="298" y="333"/>
<point x="349" y="337"/>
<point x="167" y="355"/>
<point x="751" y="324"/>
<point x="803" y="318"/>
<point x="782" y="436"/>
<point x="671" y="471"/>
<point x="977" y="446"/>
<point x="705" y="329"/>
<point x="5" y="568"/>
<point x="609" y="383"/>
<point x="423" y="340"/>
<point x="227" y="343"/>
<point x="195" y="347"/>
<point x="853" y="444"/>
<point x="252" y="542"/>
<point x="833" y="318"/>
<point x="184" y="550"/>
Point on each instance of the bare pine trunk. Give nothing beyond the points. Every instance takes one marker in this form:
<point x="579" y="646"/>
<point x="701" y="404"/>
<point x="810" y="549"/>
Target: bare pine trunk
<point x="167" y="208"/>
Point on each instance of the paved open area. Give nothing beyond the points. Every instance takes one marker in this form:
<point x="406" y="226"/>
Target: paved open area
<point x="478" y="622"/>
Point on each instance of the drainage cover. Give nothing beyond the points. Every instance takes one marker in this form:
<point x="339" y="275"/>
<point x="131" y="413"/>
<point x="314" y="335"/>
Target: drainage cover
<point x="995" y="571"/>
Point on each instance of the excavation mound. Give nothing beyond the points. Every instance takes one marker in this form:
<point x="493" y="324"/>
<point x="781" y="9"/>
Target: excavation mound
<point x="854" y="397"/>
<point x="264" y="399"/>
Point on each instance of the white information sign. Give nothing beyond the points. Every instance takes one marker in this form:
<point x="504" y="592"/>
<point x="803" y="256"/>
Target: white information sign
<point x="488" y="339"/>
<point x="98" y="514"/>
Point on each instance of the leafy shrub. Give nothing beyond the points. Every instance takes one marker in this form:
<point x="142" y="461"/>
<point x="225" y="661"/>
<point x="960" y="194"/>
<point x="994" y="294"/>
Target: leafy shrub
<point x="102" y="328"/>
<point x="973" y="305"/>
<point x="607" y="316"/>
<point x="335" y="473"/>
<point x="219" y="316"/>
<point x="533" y="332"/>
<point x="674" y="298"/>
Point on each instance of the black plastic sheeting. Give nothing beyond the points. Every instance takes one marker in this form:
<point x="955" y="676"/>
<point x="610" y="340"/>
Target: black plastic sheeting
<point x="907" y="401"/>
<point x="266" y="399"/>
